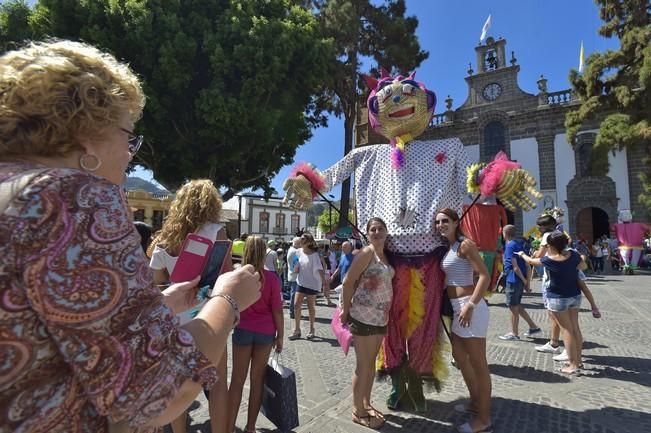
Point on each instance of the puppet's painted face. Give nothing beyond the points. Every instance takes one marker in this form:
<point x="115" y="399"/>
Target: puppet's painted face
<point x="399" y="105"/>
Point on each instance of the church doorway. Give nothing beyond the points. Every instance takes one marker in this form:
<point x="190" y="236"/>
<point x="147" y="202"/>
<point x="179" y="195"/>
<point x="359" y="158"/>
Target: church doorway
<point x="592" y="223"/>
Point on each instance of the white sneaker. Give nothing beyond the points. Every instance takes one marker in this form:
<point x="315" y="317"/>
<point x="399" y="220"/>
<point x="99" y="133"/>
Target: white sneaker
<point x="509" y="337"/>
<point x="548" y="348"/>
<point x="562" y="357"/>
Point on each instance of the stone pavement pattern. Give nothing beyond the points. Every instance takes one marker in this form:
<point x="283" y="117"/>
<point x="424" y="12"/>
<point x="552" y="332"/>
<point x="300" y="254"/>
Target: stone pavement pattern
<point x="529" y="396"/>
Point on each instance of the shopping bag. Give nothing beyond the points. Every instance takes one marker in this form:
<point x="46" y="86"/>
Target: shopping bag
<point x="342" y="333"/>
<point x="279" y="402"/>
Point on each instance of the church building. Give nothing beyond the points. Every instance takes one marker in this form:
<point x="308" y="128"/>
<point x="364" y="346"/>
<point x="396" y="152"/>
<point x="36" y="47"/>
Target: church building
<point x="498" y="115"/>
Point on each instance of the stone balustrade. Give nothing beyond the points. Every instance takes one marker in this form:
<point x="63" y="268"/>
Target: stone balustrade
<point x="561" y="97"/>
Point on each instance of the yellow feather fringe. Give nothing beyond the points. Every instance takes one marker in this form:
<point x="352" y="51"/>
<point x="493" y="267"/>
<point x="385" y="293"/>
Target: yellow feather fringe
<point x="471" y="174"/>
<point x="440" y="353"/>
<point x="416" y="312"/>
<point x="379" y="359"/>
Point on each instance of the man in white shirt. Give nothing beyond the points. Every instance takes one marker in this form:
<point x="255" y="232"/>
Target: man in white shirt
<point x="271" y="259"/>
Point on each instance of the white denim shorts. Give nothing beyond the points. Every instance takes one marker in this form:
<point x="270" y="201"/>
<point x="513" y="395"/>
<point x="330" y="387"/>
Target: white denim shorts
<point x="478" y="323"/>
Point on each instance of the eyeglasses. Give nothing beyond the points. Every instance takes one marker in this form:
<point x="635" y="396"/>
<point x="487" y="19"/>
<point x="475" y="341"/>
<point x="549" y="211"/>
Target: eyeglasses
<point x="441" y="221"/>
<point x="135" y="141"/>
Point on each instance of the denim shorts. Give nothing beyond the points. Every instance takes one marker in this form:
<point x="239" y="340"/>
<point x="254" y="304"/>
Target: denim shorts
<point x="564" y="304"/>
<point x="513" y="292"/>
<point x="543" y="289"/>
<point x="242" y="337"/>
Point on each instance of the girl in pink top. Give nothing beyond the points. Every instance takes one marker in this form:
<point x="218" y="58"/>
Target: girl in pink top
<point x="261" y="328"/>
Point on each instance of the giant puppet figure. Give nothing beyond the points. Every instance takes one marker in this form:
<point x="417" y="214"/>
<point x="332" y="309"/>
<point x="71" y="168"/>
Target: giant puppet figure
<point x="630" y="236"/>
<point x="405" y="182"/>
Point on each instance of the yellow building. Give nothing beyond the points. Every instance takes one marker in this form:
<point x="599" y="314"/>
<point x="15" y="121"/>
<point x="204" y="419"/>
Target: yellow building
<point x="149" y="208"/>
<point x="153" y="208"/>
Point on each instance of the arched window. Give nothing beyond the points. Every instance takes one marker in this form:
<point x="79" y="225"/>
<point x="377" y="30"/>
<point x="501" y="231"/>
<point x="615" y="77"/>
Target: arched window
<point x="490" y="60"/>
<point x="494" y="140"/>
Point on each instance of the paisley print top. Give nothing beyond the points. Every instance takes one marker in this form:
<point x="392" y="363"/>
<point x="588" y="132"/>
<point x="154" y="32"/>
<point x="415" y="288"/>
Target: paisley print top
<point x="84" y="335"/>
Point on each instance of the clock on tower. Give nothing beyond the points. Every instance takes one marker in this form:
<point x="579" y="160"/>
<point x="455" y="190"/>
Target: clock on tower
<point x="492" y="91"/>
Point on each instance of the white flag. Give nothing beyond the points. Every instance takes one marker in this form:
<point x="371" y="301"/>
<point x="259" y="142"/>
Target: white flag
<point x="581" y="58"/>
<point x="484" y="30"/>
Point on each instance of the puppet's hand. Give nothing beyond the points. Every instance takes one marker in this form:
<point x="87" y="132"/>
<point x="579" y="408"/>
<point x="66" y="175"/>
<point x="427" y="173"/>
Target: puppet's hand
<point x="506" y="180"/>
<point x="516" y="189"/>
<point x="298" y="192"/>
<point x="302" y="186"/>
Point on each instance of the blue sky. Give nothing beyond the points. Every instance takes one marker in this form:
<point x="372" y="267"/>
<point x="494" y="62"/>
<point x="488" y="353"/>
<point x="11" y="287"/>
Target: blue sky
<point x="545" y="35"/>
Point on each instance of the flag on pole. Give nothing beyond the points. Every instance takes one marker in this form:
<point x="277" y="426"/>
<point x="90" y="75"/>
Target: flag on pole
<point x="581" y="58"/>
<point x="484" y="30"/>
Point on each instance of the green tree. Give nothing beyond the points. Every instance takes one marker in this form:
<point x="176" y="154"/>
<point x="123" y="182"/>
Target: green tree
<point x="363" y="31"/>
<point x="616" y="84"/>
<point x="329" y="219"/>
<point x="313" y="214"/>
<point x="229" y="82"/>
<point x="14" y="23"/>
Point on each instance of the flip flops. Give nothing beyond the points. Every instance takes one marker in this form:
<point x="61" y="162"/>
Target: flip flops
<point x="368" y="420"/>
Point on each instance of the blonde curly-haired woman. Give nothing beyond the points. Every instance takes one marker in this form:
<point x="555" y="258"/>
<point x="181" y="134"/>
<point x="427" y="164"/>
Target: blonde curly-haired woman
<point x="195" y="209"/>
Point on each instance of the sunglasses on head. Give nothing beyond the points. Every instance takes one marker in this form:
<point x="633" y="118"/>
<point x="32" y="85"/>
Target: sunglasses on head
<point x="442" y="221"/>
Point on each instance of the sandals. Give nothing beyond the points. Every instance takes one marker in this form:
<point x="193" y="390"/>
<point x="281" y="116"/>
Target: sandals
<point x="294" y="336"/>
<point x="310" y="336"/>
<point x="368" y="420"/>
<point x="465" y="428"/>
<point x="567" y="364"/>
<point x="375" y="413"/>
<point x="575" y="372"/>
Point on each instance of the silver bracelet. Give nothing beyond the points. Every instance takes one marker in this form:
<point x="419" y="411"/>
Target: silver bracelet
<point x="234" y="306"/>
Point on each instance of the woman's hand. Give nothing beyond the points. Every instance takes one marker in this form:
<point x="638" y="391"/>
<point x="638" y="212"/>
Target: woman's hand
<point x="181" y="296"/>
<point x="243" y="285"/>
<point x="343" y="316"/>
<point x="465" y="315"/>
<point x="278" y="344"/>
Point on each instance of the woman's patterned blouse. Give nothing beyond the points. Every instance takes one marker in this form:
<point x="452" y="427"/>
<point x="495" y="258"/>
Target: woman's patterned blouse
<point x="84" y="335"/>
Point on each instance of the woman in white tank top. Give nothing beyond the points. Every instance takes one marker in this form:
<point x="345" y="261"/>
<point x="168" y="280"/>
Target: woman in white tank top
<point x="470" y="321"/>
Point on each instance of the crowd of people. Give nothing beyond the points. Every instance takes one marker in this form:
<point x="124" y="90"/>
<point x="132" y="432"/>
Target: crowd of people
<point x="102" y="340"/>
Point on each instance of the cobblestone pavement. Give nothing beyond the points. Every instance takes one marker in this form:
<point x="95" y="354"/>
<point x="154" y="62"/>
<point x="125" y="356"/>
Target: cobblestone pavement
<point x="613" y="396"/>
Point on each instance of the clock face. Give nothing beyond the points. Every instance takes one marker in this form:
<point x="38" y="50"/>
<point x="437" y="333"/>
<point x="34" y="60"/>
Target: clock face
<point x="492" y="91"/>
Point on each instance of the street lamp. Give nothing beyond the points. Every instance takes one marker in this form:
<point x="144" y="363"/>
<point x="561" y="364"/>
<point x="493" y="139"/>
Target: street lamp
<point x="330" y="210"/>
